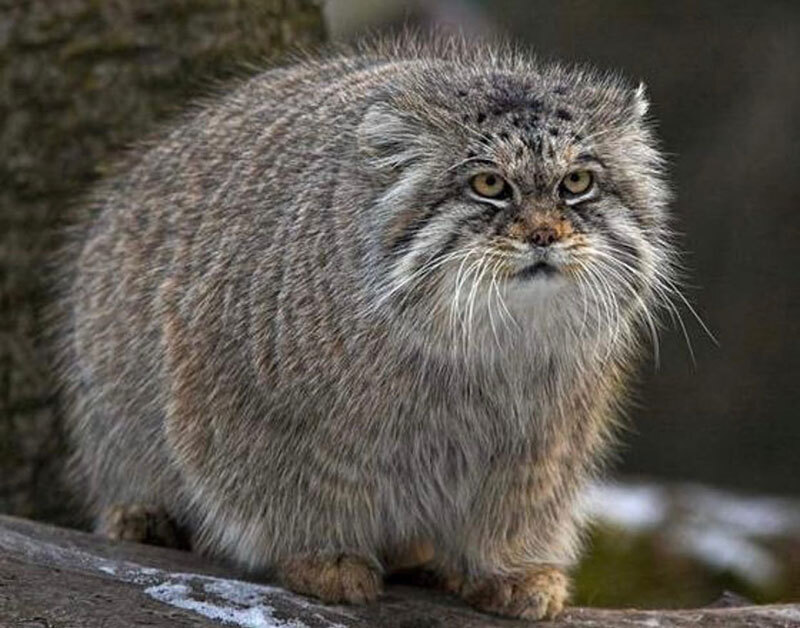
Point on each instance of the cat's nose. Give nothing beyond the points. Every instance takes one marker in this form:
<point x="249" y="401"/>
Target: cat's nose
<point x="543" y="235"/>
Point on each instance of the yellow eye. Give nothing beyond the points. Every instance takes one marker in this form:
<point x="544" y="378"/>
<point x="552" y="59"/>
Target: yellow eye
<point x="489" y="185"/>
<point x="577" y="182"/>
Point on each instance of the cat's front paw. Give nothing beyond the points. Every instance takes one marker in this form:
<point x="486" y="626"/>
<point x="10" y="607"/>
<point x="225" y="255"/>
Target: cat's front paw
<point x="141" y="523"/>
<point x="334" y="579"/>
<point x="539" y="592"/>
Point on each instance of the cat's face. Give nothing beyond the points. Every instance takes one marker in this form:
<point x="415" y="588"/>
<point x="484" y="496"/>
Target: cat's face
<point x="511" y="197"/>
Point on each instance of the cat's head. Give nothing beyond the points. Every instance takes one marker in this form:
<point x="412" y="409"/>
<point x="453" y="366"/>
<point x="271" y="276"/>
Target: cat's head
<point x="514" y="196"/>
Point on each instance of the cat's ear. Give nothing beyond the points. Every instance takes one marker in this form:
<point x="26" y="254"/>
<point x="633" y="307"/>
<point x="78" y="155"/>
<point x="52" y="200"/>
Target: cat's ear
<point x="640" y="104"/>
<point x="388" y="139"/>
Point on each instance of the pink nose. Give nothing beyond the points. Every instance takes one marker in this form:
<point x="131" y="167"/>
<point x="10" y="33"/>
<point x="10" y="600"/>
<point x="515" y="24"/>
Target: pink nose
<point x="543" y="235"/>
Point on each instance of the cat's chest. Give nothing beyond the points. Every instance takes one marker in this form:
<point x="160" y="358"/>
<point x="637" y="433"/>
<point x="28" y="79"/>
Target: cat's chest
<point x="475" y="411"/>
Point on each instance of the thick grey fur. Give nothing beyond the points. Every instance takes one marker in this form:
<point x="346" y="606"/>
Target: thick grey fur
<point x="251" y="338"/>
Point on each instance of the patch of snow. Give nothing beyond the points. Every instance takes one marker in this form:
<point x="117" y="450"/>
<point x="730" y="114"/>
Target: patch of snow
<point x="251" y="616"/>
<point x="725" y="550"/>
<point x="232" y="602"/>
<point x="107" y="569"/>
<point x="720" y="529"/>
<point x="229" y="601"/>
<point x="634" y="507"/>
<point x="754" y="516"/>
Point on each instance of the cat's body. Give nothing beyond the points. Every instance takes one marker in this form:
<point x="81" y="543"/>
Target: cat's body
<point x="256" y="346"/>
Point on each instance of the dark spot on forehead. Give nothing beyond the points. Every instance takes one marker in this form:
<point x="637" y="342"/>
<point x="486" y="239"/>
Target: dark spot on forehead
<point x="563" y="114"/>
<point x="560" y="90"/>
<point x="461" y="93"/>
<point x="535" y="105"/>
<point x="506" y="95"/>
<point x="553" y="131"/>
<point x="504" y="135"/>
<point x="480" y="117"/>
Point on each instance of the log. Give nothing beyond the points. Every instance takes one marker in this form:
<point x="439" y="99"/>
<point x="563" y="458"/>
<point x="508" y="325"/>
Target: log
<point x="59" y="578"/>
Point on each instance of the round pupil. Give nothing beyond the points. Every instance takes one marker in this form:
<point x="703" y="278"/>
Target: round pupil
<point x="491" y="180"/>
<point x="575" y="177"/>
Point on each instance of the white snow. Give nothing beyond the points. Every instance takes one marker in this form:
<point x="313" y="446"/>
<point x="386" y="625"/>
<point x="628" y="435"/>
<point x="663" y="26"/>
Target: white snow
<point x="232" y="602"/>
<point x="720" y="529"/>
<point x="756" y="516"/>
<point x="255" y="615"/>
<point x="630" y="506"/>
<point x="724" y="550"/>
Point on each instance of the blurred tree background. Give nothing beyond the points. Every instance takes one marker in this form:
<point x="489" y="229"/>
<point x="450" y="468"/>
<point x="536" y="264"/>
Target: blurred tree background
<point x="82" y="79"/>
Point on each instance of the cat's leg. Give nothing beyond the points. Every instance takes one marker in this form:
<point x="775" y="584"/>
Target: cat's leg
<point x="512" y="557"/>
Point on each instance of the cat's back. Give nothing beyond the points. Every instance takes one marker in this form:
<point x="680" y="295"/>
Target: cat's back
<point x="236" y="191"/>
<point x="230" y="168"/>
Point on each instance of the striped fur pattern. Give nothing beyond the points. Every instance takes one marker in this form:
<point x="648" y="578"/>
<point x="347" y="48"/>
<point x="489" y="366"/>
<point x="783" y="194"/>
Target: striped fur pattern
<point x="292" y="325"/>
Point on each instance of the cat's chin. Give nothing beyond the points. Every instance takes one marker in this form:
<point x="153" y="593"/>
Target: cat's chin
<point x="537" y="271"/>
<point x="535" y="287"/>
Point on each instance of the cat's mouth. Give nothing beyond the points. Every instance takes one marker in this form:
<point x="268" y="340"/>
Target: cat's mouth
<point x="537" y="270"/>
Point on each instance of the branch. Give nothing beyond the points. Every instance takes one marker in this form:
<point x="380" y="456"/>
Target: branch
<point x="58" y="577"/>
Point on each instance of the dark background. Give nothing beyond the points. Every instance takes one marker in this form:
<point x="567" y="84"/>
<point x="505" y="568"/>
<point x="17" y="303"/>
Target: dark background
<point x="723" y="77"/>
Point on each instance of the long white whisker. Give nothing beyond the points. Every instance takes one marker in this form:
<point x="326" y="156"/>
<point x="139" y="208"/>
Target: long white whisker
<point x="472" y="295"/>
<point x="455" y="315"/>
<point x="623" y="280"/>
<point x="700" y="321"/>
<point x="503" y="304"/>
<point x="492" y="283"/>
<point x="424" y="272"/>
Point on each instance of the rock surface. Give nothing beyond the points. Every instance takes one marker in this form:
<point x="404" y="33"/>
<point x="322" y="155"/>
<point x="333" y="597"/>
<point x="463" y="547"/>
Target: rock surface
<point x="58" y="578"/>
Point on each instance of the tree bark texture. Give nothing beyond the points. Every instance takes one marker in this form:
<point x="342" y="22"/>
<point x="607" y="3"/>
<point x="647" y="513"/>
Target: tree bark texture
<point x="79" y="81"/>
<point x="61" y="578"/>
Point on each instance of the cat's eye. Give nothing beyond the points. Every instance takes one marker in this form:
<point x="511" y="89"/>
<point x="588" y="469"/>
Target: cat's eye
<point x="489" y="185"/>
<point x="577" y="182"/>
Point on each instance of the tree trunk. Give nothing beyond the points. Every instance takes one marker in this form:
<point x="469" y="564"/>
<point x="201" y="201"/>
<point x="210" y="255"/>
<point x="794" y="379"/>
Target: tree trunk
<point x="80" y="80"/>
